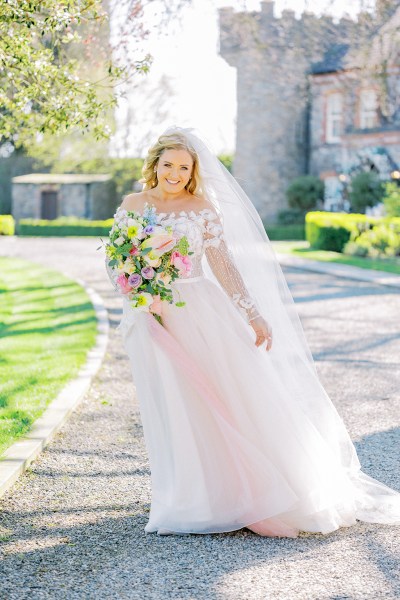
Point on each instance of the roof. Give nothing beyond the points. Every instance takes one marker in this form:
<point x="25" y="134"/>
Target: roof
<point x="332" y="61"/>
<point x="383" y="45"/>
<point x="62" y="178"/>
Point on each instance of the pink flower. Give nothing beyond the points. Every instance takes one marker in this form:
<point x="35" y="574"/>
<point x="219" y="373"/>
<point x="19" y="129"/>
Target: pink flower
<point x="148" y="272"/>
<point x="160" y="243"/>
<point x="123" y="284"/>
<point x="182" y="263"/>
<point x="135" y="280"/>
<point x="156" y="306"/>
<point x="134" y="251"/>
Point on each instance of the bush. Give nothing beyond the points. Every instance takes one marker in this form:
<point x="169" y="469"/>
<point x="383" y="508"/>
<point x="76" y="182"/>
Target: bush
<point x="366" y="189"/>
<point x="304" y="192"/>
<point x="294" y="216"/>
<point x="7" y="225"/>
<point x="327" y="231"/>
<point x="64" y="226"/>
<point x="285" y="232"/>
<point x="379" y="242"/>
<point x="227" y="161"/>
<point x="336" y="231"/>
<point x="391" y="199"/>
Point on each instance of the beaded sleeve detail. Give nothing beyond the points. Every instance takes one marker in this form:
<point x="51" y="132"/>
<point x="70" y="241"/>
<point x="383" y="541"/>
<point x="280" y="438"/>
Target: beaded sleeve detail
<point x="221" y="261"/>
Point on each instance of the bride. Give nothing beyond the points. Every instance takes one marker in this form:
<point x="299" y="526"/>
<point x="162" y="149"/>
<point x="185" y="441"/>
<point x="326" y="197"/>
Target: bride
<point x="238" y="428"/>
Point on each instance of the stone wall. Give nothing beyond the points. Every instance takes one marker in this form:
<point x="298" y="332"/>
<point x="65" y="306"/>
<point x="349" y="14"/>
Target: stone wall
<point x="25" y="201"/>
<point x="273" y="58"/>
<point x="94" y="200"/>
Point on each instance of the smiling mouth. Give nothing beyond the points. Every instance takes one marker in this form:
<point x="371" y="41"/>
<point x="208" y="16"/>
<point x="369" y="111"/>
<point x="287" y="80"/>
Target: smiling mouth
<point x="171" y="182"/>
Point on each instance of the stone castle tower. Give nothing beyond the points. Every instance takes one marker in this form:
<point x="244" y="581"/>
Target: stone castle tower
<point x="274" y="58"/>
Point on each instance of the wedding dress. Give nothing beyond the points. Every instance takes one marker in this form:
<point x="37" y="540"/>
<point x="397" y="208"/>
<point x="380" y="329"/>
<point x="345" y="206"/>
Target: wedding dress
<point x="237" y="436"/>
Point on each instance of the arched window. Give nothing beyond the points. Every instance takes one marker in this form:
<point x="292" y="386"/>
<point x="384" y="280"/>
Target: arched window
<point x="368" y="115"/>
<point x="334" y="117"/>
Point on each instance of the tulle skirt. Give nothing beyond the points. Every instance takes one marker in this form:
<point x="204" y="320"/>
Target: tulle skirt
<point x="237" y="436"/>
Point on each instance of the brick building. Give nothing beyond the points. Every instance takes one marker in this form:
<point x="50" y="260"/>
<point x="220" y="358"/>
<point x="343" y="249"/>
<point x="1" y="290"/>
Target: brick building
<point x="314" y="96"/>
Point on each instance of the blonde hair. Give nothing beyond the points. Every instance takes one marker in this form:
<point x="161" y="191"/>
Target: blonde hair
<point x="173" y="141"/>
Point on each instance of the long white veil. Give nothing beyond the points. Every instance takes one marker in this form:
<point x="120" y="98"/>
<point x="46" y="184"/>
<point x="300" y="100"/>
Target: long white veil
<point x="259" y="268"/>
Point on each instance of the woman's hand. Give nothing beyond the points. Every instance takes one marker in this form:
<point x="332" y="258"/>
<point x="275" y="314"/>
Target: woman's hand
<point x="263" y="332"/>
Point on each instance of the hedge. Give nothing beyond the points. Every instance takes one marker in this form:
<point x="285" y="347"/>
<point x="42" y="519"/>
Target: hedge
<point x="332" y="231"/>
<point x="64" y="226"/>
<point x="7" y="225"/>
<point x="286" y="232"/>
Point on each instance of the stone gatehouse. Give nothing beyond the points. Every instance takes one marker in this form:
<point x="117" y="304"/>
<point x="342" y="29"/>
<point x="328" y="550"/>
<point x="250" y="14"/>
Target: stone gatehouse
<point x="314" y="96"/>
<point x="50" y="195"/>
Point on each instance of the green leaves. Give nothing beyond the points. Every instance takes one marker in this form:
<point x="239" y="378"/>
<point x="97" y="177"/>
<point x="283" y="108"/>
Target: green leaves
<point x="52" y="76"/>
<point x="183" y="246"/>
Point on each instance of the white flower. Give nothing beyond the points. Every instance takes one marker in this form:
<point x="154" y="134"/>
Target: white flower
<point x="142" y="301"/>
<point x="119" y="241"/>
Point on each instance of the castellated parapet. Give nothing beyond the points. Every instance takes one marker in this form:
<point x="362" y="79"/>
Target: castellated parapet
<point x="273" y="58"/>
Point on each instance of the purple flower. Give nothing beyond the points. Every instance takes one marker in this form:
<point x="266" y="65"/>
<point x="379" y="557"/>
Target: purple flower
<point x="148" y="229"/>
<point x="135" y="280"/>
<point x="148" y="272"/>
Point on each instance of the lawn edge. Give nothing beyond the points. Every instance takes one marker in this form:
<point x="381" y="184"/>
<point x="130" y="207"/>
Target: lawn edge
<point x="17" y="457"/>
<point x="339" y="270"/>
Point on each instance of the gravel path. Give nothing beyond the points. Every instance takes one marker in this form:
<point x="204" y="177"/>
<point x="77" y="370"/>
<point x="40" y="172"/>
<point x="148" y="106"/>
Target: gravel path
<point x="72" y="527"/>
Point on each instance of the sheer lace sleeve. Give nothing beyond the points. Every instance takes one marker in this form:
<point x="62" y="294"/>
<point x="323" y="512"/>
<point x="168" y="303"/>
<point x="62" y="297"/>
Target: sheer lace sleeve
<point x="222" y="264"/>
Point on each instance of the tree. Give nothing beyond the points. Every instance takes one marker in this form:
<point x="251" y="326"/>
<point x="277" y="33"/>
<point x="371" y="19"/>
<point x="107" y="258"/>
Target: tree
<point x="366" y="189"/>
<point x="42" y="89"/>
<point x="304" y="192"/>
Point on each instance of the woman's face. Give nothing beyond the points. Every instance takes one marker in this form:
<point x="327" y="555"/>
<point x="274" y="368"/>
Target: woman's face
<point x="174" y="169"/>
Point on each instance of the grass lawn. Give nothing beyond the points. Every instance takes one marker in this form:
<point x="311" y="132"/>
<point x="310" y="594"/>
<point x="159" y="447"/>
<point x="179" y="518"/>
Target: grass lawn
<point x="302" y="249"/>
<point x="47" y="326"/>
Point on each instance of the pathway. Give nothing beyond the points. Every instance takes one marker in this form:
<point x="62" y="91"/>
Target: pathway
<point x="72" y="526"/>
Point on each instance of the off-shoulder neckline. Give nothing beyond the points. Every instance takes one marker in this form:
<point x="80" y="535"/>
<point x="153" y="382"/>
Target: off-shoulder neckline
<point x="176" y="212"/>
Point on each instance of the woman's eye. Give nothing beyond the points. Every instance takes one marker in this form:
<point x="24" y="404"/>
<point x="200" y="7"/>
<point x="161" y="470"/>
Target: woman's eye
<point x="185" y="168"/>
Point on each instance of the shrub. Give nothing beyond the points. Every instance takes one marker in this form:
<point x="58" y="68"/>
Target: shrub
<point x="381" y="241"/>
<point x="7" y="225"/>
<point x="304" y="192"/>
<point x="294" y="216"/>
<point x="366" y="189"/>
<point x="327" y="231"/>
<point x="391" y="199"/>
<point x="64" y="226"/>
<point x="227" y="161"/>
<point x="339" y="231"/>
<point x="286" y="232"/>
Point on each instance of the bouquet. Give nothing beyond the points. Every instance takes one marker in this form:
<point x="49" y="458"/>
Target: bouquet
<point x="145" y="258"/>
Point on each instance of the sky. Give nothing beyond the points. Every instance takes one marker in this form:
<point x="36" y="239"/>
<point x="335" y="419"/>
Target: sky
<point x="189" y="84"/>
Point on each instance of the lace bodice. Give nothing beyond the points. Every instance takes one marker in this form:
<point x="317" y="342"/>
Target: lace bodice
<point x="204" y="232"/>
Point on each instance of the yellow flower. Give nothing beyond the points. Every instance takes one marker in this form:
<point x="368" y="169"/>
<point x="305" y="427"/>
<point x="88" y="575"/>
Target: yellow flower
<point x="142" y="301"/>
<point x="135" y="229"/>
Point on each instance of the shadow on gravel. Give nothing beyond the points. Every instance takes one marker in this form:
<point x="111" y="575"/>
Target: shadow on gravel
<point x="114" y="558"/>
<point x="382" y="465"/>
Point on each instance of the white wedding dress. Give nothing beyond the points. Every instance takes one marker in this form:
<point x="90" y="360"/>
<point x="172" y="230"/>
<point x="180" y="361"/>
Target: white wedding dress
<point x="234" y="434"/>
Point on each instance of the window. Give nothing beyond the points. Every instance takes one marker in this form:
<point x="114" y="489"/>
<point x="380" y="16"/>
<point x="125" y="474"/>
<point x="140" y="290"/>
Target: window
<point x="334" y="117"/>
<point x="368" y="109"/>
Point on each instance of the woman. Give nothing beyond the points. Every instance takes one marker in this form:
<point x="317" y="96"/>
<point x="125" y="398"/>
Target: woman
<point x="238" y="428"/>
